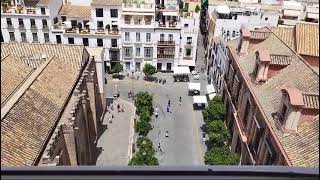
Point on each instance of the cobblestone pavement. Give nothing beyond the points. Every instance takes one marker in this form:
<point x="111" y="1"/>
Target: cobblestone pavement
<point x="115" y="140"/>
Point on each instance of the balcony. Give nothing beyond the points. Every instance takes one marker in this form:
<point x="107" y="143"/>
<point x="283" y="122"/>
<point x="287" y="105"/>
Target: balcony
<point x="165" y="56"/>
<point x="22" y="27"/>
<point x="166" y="43"/>
<point x="71" y="30"/>
<point x="34" y="28"/>
<point x="45" y="28"/>
<point x="188" y="57"/>
<point x="133" y="6"/>
<point x="10" y="26"/>
<point x="169" y="25"/>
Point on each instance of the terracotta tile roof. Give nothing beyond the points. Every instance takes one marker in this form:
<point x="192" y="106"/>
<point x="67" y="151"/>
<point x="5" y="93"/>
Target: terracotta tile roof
<point x="13" y="73"/>
<point x="107" y="2"/>
<point x="307" y="38"/>
<point x="31" y="54"/>
<point x="43" y="2"/>
<point x="302" y="148"/>
<point x="286" y="34"/>
<point x="280" y="60"/>
<point x="264" y="56"/>
<point x="27" y="125"/>
<point x="295" y="96"/>
<point x="31" y="3"/>
<point x="311" y="100"/>
<point x="72" y="11"/>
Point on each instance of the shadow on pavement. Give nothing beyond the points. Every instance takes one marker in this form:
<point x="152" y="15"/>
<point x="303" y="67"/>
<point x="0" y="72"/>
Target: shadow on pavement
<point x="97" y="152"/>
<point x="101" y="129"/>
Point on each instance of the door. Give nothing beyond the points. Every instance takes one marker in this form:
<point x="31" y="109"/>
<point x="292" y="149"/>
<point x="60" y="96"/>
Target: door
<point x="128" y="66"/>
<point x="168" y="66"/>
<point x="58" y="39"/>
<point x="138" y="66"/>
<point x="159" y="66"/>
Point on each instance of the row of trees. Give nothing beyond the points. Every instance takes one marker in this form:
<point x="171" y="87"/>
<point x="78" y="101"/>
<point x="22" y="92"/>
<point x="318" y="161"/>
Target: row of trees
<point x="146" y="153"/>
<point x="218" y="151"/>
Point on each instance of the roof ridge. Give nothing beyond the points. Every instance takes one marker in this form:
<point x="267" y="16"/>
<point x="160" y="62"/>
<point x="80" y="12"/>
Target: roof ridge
<point x="294" y="52"/>
<point x="22" y="89"/>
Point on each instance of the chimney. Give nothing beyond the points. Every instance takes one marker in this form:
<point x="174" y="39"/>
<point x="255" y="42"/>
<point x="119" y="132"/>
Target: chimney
<point x="260" y="71"/>
<point x="291" y="107"/>
<point x="244" y="41"/>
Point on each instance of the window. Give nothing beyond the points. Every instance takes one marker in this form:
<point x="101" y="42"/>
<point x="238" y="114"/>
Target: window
<point x="127" y="65"/>
<point x="246" y="113"/>
<point x="100" y="42"/>
<point x="43" y="10"/>
<point x="188" y="52"/>
<point x="258" y="134"/>
<point x="148" y="37"/>
<point x="271" y="155"/>
<point x="100" y="24"/>
<point x="44" y="23"/>
<point x="170" y="37"/>
<point x="161" y="37"/>
<point x="32" y="22"/>
<point x="148" y="52"/>
<point x="58" y="37"/>
<point x="189" y="40"/>
<point x="127" y="36"/>
<point x="127" y="52"/>
<point x="283" y="113"/>
<point x="114" y="13"/>
<point x="186" y="25"/>
<point x="85" y="22"/>
<point x="85" y="41"/>
<point x="228" y="33"/>
<point x="23" y="37"/>
<point x="99" y="12"/>
<point x="21" y="24"/>
<point x="9" y="22"/>
<point x="114" y="43"/>
<point x="71" y="40"/>
<point x="35" y="37"/>
<point x="138" y="52"/>
<point x="11" y="34"/>
<point x="46" y="37"/>
<point x="138" y="37"/>
<point x="74" y="23"/>
<point x="233" y="33"/>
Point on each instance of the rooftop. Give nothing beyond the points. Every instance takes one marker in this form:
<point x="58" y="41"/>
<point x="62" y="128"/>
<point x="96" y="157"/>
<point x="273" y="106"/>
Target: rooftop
<point x="35" y="104"/>
<point x="304" y="37"/>
<point x="107" y="2"/>
<point x="72" y="11"/>
<point x="301" y="148"/>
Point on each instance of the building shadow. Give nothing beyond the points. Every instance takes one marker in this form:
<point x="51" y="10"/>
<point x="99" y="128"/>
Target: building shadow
<point x="96" y="153"/>
<point x="101" y="129"/>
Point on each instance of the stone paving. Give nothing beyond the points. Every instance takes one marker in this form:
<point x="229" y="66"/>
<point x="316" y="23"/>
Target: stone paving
<point x="115" y="140"/>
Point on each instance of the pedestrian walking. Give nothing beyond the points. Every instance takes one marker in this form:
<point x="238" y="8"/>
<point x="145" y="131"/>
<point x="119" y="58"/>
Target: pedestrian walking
<point x="118" y="107"/>
<point x="169" y="103"/>
<point x="156" y="114"/>
<point x="167" y="134"/>
<point x="109" y="119"/>
<point x="156" y="109"/>
<point x="168" y="110"/>
<point x="180" y="101"/>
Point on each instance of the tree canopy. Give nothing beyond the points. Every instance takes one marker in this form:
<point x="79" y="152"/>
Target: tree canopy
<point x="221" y="156"/>
<point x="143" y="101"/>
<point x="215" y="110"/>
<point x="149" y="70"/>
<point x="118" y="67"/>
<point x="218" y="134"/>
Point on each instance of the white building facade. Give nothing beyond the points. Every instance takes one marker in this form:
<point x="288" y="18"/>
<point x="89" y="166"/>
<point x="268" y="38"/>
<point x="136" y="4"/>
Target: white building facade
<point x="130" y="32"/>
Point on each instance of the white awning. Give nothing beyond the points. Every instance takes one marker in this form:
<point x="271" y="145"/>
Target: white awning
<point x="312" y="16"/>
<point x="292" y="13"/>
<point x="114" y="23"/>
<point x="168" y="13"/>
<point x="210" y="89"/>
<point x="223" y="9"/>
<point x="211" y="96"/>
<point x="194" y="86"/>
<point x="181" y="70"/>
<point x="199" y="99"/>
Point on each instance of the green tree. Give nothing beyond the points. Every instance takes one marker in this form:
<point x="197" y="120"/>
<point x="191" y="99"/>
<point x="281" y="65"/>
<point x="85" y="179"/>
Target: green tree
<point x="149" y="70"/>
<point x="143" y="100"/>
<point x="142" y="158"/>
<point x="118" y="67"/>
<point x="143" y="128"/>
<point x="218" y="134"/>
<point x="145" y="114"/>
<point x="197" y="9"/>
<point x="215" y="110"/>
<point x="221" y="156"/>
<point x="181" y="5"/>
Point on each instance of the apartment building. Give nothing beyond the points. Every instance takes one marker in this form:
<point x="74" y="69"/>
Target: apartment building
<point x="50" y="105"/>
<point x="131" y="32"/>
<point x="272" y="101"/>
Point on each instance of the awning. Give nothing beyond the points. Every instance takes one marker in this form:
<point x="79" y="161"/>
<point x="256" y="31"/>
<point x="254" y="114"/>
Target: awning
<point x="170" y="13"/>
<point x="199" y="99"/>
<point x="114" y="23"/>
<point x="210" y="89"/>
<point x="223" y="9"/>
<point x="312" y="16"/>
<point x="211" y="96"/>
<point x="292" y="13"/>
<point x="194" y="86"/>
<point x="179" y="70"/>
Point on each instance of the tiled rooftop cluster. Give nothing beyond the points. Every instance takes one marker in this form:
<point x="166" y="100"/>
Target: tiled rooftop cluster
<point x="301" y="147"/>
<point x="29" y="121"/>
